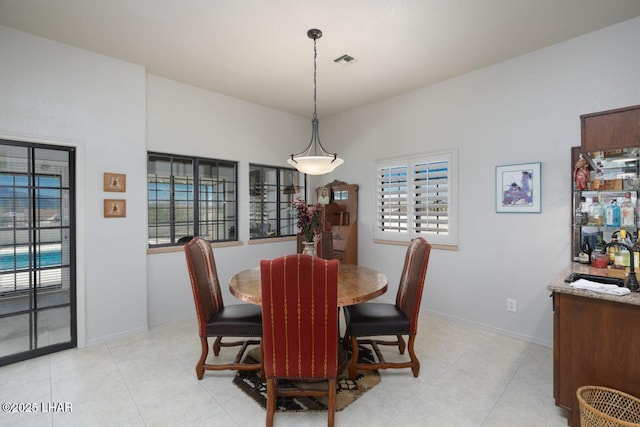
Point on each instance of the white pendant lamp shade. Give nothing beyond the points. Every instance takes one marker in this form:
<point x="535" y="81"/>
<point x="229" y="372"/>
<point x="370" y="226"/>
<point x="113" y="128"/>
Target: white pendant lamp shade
<point x="315" y="165"/>
<point x="314" y="159"/>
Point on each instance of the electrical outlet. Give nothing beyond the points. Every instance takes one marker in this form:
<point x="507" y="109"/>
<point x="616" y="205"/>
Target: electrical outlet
<point x="512" y="305"/>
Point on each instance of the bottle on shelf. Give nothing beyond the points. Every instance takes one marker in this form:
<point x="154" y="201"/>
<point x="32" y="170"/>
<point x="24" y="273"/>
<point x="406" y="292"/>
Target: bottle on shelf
<point x="612" y="215"/>
<point x="623" y="257"/>
<point x="613" y="249"/>
<point x="584" y="257"/>
<point x="627" y="211"/>
<point x="596" y="212"/>
<point x="581" y="214"/>
<point x="636" y="253"/>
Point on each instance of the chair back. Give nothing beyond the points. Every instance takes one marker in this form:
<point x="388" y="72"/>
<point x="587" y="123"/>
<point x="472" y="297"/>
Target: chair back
<point x="300" y="317"/>
<point x="204" y="281"/>
<point x="412" y="281"/>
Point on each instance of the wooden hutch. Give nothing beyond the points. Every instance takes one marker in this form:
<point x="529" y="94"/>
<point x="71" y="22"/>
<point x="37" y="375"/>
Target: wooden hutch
<point x="340" y="216"/>
<point x="594" y="337"/>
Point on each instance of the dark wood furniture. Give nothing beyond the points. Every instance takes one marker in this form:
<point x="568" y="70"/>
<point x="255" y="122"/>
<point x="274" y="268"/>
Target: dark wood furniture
<point x="356" y="284"/>
<point x="341" y="219"/>
<point x="300" y="318"/>
<point x="608" y="138"/>
<point x="594" y="337"/>
<point x="215" y="319"/>
<point x="397" y="320"/>
<point x="595" y="341"/>
<point x="612" y="129"/>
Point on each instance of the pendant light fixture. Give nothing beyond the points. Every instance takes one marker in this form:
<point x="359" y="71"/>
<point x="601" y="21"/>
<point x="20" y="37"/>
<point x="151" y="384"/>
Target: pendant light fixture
<point x="314" y="159"/>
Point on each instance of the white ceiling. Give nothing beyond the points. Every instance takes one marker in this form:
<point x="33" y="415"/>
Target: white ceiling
<point x="258" y="50"/>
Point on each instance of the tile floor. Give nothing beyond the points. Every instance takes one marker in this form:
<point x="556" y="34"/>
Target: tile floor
<point x="469" y="377"/>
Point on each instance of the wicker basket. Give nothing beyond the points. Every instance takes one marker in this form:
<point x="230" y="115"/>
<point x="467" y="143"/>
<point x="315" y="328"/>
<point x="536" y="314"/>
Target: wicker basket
<point x="606" y="407"/>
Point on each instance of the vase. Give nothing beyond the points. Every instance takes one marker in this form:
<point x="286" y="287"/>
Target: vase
<point x="309" y="248"/>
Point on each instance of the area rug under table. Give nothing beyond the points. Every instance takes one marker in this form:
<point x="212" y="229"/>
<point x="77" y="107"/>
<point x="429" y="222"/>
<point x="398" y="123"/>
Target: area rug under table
<point x="347" y="391"/>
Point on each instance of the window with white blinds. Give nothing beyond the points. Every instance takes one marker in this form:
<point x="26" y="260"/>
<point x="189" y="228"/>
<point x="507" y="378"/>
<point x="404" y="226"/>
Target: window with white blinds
<point x="416" y="196"/>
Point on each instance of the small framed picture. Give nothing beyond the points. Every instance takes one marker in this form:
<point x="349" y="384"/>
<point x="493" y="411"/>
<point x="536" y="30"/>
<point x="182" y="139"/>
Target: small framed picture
<point x="518" y="188"/>
<point x="115" y="208"/>
<point x="115" y="182"/>
<point x="324" y="195"/>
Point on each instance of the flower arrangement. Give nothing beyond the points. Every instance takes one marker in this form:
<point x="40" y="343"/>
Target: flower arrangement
<point x="308" y="218"/>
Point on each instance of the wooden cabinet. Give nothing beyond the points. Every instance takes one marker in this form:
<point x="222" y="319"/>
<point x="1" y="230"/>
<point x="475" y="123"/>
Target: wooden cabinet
<point x="611" y="129"/>
<point x="340" y="215"/>
<point x="595" y="342"/>
<point x="610" y="150"/>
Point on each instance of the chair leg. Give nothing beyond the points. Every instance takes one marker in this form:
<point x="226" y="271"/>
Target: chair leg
<point x="216" y="346"/>
<point x="331" y="407"/>
<point x="203" y="356"/>
<point x="271" y="401"/>
<point x="261" y="349"/>
<point x="346" y="341"/>
<point x="354" y="358"/>
<point x="401" y="344"/>
<point x="415" y="367"/>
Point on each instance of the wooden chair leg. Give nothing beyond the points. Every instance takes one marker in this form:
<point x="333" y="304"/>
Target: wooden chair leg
<point x="203" y="356"/>
<point x="415" y="368"/>
<point x="354" y="358"/>
<point x="216" y="346"/>
<point x="261" y="349"/>
<point x="331" y="407"/>
<point x="401" y="344"/>
<point x="271" y="401"/>
<point x="346" y="341"/>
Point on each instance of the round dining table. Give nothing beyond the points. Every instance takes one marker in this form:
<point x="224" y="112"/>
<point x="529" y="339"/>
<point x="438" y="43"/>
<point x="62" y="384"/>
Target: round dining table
<point x="356" y="284"/>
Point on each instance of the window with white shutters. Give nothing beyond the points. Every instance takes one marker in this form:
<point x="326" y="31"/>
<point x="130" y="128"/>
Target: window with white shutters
<point x="416" y="196"/>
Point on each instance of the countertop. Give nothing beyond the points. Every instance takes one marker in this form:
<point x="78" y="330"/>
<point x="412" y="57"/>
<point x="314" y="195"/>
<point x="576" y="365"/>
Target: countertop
<point x="559" y="285"/>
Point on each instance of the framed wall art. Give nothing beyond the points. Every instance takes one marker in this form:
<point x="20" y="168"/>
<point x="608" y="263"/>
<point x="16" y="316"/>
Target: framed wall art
<point x="115" y="208"/>
<point x="115" y="182"/>
<point x="518" y="188"/>
<point x="324" y="195"/>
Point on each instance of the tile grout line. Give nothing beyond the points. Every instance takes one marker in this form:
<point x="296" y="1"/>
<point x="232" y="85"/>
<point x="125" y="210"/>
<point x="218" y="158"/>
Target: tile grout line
<point x="515" y="372"/>
<point x="126" y="384"/>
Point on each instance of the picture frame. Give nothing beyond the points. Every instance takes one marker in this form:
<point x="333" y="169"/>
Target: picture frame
<point x="114" y="182"/>
<point x="324" y="195"/>
<point x="519" y="188"/>
<point x="115" y="208"/>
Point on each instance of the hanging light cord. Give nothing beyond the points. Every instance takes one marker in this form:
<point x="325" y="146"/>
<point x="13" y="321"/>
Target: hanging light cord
<point x="315" y="135"/>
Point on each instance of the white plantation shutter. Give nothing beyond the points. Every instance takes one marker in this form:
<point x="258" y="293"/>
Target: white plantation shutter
<point x="416" y="197"/>
<point x="392" y="198"/>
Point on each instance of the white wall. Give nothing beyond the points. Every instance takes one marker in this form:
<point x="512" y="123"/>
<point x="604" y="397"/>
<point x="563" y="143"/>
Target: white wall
<point x="519" y="111"/>
<point x="53" y="92"/>
<point x="182" y="119"/>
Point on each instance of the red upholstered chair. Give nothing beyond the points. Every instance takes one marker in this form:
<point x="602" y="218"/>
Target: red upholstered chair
<point x="300" y="322"/>
<point x="214" y="318"/>
<point x="401" y="318"/>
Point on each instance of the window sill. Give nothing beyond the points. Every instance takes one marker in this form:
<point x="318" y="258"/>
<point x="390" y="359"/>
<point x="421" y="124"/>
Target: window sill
<point x="402" y="243"/>
<point x="272" y="240"/>
<point x="169" y="249"/>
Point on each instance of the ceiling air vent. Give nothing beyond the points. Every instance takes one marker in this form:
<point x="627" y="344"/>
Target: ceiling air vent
<point x="345" y="60"/>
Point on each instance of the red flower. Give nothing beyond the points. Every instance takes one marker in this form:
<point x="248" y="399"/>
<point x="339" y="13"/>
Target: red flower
<point x="308" y="218"/>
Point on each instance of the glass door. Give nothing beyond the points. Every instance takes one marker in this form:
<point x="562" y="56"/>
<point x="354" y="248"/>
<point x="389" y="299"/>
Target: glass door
<point x="37" y="250"/>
